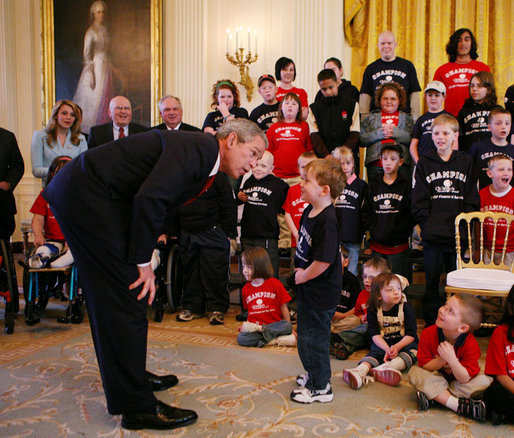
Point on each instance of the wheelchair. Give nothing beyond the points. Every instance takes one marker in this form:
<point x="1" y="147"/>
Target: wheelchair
<point x="168" y="280"/>
<point x="39" y="285"/>
<point x="8" y="285"/>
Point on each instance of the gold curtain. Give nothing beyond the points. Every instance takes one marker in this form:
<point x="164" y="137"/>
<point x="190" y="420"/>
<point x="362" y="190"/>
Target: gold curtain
<point x="423" y="28"/>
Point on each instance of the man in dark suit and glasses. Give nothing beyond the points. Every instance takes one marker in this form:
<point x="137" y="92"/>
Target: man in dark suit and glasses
<point x="111" y="204"/>
<point x="171" y="111"/>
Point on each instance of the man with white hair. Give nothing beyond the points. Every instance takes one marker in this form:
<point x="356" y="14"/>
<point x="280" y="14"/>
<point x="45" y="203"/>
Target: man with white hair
<point x="120" y="111"/>
<point x="389" y="68"/>
<point x="171" y="111"/>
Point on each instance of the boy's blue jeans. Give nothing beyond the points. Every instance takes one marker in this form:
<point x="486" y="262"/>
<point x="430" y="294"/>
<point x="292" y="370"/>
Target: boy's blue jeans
<point x="313" y="344"/>
<point x="356" y="338"/>
<point x="353" y="256"/>
<point x="269" y="332"/>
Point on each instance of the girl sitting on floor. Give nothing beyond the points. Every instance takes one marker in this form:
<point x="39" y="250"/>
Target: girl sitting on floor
<point x="266" y="299"/>
<point x="393" y="332"/>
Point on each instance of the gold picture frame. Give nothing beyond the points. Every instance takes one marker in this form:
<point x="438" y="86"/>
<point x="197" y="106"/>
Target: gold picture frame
<point x="48" y="57"/>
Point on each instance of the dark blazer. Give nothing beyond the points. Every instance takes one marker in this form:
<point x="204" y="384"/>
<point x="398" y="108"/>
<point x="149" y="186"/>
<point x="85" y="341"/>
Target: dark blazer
<point x="183" y="127"/>
<point x="123" y="190"/>
<point x="11" y="170"/>
<point x="102" y="134"/>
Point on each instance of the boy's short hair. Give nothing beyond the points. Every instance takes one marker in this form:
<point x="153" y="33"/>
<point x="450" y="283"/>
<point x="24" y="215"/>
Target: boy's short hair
<point x="395" y="147"/>
<point x="495" y="158"/>
<point x="378" y="264"/>
<point x="328" y="173"/>
<point x="259" y="260"/>
<point x="446" y="119"/>
<point x="327" y="74"/>
<point x="310" y="155"/>
<point x="472" y="311"/>
<point x="343" y="152"/>
<point x="497" y="111"/>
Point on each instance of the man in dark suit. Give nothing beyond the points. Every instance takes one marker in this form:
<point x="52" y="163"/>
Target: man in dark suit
<point x="170" y="108"/>
<point x="111" y="204"/>
<point x="11" y="171"/>
<point x="120" y="111"/>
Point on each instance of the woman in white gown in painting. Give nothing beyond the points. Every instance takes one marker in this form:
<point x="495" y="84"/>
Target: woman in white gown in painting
<point x="94" y="90"/>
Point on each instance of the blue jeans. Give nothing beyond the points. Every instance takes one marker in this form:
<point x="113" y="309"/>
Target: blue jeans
<point x="399" y="263"/>
<point x="356" y="338"/>
<point x="313" y="344"/>
<point x="437" y="261"/>
<point x="269" y="332"/>
<point x="353" y="256"/>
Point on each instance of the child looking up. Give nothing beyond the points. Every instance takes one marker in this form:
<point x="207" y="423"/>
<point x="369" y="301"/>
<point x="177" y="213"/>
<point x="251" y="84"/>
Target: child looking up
<point x="392" y="328"/>
<point x="225" y="102"/>
<point x="266" y="113"/>
<point x="499" y="363"/>
<point x="288" y="138"/>
<point x="266" y="301"/>
<point x="319" y="277"/>
<point x="263" y="195"/>
<point x="444" y="186"/>
<point x="386" y="212"/>
<point x="348" y="207"/>
<point x="475" y="112"/>
<point x="499" y="124"/>
<point x="448" y="354"/>
<point x="499" y="196"/>
<point x="422" y="142"/>
<point x="285" y="72"/>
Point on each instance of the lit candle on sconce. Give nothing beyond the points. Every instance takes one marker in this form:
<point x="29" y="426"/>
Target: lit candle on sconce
<point x="249" y="46"/>
<point x="256" y="42"/>
<point x="237" y="38"/>
<point x="228" y="36"/>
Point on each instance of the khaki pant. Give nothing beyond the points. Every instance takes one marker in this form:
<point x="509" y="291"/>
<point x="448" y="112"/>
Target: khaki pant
<point x="347" y="323"/>
<point x="432" y="383"/>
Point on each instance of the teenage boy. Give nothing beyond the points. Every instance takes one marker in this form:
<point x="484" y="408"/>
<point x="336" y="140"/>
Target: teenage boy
<point x="263" y="195"/>
<point x="444" y="186"/>
<point x="386" y="212"/>
<point x="499" y="196"/>
<point x="499" y="123"/>
<point x="266" y="113"/>
<point x="336" y="117"/>
<point x="318" y="276"/>
<point x="448" y="371"/>
<point x="422" y="142"/>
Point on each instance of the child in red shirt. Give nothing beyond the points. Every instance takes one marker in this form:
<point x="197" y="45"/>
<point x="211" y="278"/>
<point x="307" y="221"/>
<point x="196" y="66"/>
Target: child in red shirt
<point x="448" y="354"/>
<point x="499" y="363"/>
<point x="48" y="238"/>
<point x="266" y="300"/>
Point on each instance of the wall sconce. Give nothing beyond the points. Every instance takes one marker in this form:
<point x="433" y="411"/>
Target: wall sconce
<point x="242" y="61"/>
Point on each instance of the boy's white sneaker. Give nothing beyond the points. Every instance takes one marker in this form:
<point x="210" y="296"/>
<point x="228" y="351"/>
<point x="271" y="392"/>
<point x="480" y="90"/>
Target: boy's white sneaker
<point x="385" y="374"/>
<point x="250" y="327"/>
<point x="284" y="341"/>
<point x="305" y="395"/>
<point x="302" y="379"/>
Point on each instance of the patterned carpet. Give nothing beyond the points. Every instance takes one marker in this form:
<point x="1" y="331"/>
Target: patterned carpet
<point x="50" y="387"/>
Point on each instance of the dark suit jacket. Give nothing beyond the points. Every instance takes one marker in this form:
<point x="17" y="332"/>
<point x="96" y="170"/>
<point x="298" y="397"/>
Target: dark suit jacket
<point x="102" y="134"/>
<point x="11" y="170"/>
<point x="117" y="196"/>
<point x="183" y="127"/>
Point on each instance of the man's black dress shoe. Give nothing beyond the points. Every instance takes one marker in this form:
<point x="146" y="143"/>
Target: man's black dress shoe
<point x="164" y="417"/>
<point x="160" y="383"/>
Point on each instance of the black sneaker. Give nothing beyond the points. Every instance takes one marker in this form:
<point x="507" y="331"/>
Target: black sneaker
<point x="498" y="418"/>
<point x="243" y="316"/>
<point x="339" y="350"/>
<point x="216" y="318"/>
<point x="471" y="409"/>
<point x="423" y="402"/>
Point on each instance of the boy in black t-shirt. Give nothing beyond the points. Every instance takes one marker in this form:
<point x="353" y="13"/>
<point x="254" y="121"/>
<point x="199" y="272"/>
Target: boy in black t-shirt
<point x="263" y="195"/>
<point x="318" y="276"/>
<point x="266" y="113"/>
<point x="499" y="123"/>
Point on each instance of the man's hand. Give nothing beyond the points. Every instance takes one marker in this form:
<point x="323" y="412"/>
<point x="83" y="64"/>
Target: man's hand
<point x="4" y="185"/>
<point x="147" y="279"/>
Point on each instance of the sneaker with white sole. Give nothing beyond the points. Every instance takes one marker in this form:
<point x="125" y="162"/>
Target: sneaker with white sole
<point x="302" y="379"/>
<point x="385" y="374"/>
<point x="423" y="401"/>
<point x="470" y="408"/>
<point x="284" y="341"/>
<point x="216" y="318"/>
<point x="187" y="315"/>
<point x="306" y="395"/>
<point x="356" y="377"/>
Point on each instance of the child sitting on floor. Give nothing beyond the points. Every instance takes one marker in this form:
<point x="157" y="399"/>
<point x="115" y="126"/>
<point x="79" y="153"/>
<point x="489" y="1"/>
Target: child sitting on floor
<point x="48" y="237"/>
<point x="448" y="371"/>
<point x="266" y="299"/>
<point x="499" y="397"/>
<point x="392" y="328"/>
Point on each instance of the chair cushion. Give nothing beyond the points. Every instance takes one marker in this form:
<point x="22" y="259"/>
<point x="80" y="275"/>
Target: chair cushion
<point x="486" y="279"/>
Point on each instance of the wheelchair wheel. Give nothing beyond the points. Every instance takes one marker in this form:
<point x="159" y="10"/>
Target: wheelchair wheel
<point x="173" y="279"/>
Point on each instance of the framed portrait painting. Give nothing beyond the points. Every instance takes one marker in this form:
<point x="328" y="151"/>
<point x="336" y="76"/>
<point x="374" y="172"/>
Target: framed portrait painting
<point x="95" y="50"/>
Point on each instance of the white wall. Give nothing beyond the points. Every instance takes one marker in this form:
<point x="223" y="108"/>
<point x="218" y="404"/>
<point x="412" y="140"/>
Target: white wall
<point x="194" y="45"/>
